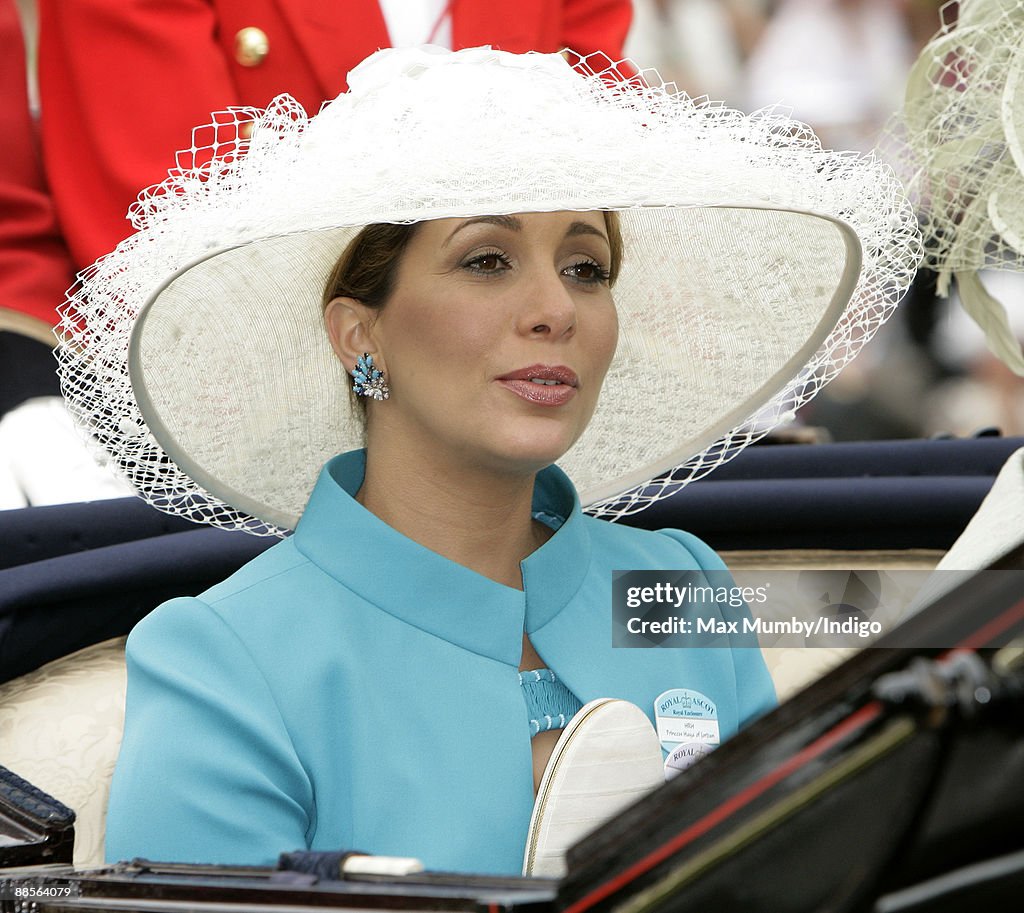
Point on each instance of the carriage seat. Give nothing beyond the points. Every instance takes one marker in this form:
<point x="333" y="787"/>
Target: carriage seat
<point x="61" y="724"/>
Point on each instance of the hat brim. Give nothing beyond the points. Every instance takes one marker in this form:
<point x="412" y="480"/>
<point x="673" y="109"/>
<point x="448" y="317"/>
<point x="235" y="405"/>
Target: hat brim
<point x="235" y="378"/>
<point x="741" y="295"/>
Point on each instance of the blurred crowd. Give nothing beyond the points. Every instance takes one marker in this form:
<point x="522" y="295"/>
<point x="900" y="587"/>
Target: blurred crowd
<point x="839" y="65"/>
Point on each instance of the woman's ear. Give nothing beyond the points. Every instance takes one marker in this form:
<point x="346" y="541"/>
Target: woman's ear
<point x="349" y="325"/>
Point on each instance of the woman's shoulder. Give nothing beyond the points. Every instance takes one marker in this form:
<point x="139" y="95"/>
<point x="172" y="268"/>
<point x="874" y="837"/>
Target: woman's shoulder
<point x="669" y="548"/>
<point x="251" y="597"/>
<point x="262" y="572"/>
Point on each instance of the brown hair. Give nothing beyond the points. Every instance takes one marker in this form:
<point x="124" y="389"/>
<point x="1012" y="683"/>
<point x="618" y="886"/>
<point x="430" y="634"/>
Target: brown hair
<point x="367" y="269"/>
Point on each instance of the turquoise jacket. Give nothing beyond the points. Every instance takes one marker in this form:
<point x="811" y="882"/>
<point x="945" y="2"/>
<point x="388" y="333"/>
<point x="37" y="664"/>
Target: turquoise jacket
<point x="350" y="688"/>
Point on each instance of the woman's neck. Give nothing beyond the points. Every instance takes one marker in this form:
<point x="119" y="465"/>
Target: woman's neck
<point x="476" y="518"/>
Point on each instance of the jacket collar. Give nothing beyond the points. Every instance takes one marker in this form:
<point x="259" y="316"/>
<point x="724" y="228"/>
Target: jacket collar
<point x="427" y="590"/>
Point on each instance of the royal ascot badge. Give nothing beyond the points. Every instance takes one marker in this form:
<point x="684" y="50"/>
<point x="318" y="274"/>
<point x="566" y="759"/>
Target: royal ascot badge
<point x="682" y="756"/>
<point x="685" y="716"/>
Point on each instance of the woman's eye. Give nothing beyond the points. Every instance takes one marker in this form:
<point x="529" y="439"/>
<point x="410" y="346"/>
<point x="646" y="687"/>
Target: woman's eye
<point x="587" y="271"/>
<point x="491" y="262"/>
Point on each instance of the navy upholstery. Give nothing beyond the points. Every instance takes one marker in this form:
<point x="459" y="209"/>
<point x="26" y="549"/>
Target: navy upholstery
<point x="878" y="495"/>
<point x="37" y="533"/>
<point x="54" y="606"/>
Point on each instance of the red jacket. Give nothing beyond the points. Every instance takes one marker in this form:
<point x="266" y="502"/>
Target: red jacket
<point x="122" y="82"/>
<point x="35" y="269"/>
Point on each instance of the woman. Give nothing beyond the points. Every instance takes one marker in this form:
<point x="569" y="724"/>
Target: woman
<point x="361" y="684"/>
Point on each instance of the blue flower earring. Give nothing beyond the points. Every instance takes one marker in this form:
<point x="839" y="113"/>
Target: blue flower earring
<point x="368" y="380"/>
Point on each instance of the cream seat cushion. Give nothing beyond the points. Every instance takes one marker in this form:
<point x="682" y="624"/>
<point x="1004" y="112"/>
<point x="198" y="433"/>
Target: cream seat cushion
<point x="793" y="668"/>
<point x="60" y="729"/>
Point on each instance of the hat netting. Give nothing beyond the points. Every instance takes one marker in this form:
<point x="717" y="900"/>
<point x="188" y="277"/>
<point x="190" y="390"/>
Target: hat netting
<point x="757" y="264"/>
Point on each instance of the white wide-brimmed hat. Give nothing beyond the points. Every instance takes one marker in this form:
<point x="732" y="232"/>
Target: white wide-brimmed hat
<point x="756" y="265"/>
<point x="958" y="143"/>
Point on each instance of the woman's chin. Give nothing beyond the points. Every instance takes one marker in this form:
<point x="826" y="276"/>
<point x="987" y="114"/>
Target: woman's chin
<point x="531" y="453"/>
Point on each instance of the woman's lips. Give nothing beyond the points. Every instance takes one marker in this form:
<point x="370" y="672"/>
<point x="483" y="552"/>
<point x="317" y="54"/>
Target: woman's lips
<point x="541" y="394"/>
<point x="544" y="385"/>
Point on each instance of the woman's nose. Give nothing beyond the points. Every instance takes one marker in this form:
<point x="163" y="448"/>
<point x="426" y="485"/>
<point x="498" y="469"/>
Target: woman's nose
<point x="550" y="309"/>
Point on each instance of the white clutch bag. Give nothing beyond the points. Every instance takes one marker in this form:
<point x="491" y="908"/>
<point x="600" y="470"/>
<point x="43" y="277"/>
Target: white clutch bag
<point x="606" y="758"/>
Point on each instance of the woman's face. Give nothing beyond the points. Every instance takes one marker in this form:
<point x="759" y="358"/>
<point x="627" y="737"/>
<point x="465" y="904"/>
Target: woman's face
<point x="496" y="338"/>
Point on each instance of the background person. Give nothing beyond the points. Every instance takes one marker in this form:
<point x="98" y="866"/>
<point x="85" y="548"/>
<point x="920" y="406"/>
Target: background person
<point x="43" y="459"/>
<point x="127" y="81"/>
